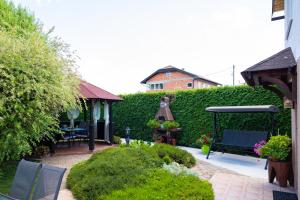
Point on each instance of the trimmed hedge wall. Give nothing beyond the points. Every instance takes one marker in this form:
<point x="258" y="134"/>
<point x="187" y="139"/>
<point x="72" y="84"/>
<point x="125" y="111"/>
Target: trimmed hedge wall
<point x="188" y="108"/>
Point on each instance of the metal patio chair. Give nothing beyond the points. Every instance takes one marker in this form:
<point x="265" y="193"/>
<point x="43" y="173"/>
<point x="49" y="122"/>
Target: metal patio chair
<point x="48" y="183"/>
<point x="24" y="180"/>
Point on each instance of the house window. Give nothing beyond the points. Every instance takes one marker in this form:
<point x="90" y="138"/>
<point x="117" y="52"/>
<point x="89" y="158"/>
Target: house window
<point x="159" y="86"/>
<point x="156" y="86"/>
<point x="168" y="74"/>
<point x="189" y="85"/>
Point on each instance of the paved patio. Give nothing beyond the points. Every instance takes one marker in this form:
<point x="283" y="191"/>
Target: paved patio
<point x="226" y="172"/>
<point x="67" y="160"/>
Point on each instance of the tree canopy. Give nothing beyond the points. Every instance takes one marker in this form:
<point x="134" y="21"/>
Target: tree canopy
<point x="38" y="81"/>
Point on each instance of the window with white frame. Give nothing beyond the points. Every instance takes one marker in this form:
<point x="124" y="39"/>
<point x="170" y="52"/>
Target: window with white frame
<point x="190" y="85"/>
<point x="156" y="86"/>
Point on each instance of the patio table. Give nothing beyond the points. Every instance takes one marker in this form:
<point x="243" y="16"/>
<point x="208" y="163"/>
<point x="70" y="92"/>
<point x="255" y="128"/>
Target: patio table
<point x="72" y="133"/>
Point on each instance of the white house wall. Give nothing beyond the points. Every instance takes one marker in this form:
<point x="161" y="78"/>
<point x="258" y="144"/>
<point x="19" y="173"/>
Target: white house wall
<point x="292" y="12"/>
<point x="292" y="39"/>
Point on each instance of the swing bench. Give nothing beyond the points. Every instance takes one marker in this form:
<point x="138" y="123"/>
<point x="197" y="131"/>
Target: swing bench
<point x="240" y="139"/>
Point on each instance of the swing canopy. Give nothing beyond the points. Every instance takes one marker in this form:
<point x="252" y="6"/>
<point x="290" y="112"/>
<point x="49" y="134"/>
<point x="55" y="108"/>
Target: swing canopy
<point x="244" y="109"/>
<point x="241" y="139"/>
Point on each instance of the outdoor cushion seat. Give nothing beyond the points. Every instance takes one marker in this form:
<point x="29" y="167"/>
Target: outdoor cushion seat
<point x="244" y="139"/>
<point x="48" y="183"/>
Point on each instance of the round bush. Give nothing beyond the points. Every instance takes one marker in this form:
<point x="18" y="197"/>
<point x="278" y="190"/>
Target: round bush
<point x="178" y="155"/>
<point x="110" y="170"/>
<point x="161" y="184"/>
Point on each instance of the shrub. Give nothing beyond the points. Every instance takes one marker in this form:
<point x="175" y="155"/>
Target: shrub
<point x="170" y="124"/>
<point x="277" y="148"/>
<point x="167" y="159"/>
<point x="189" y="111"/>
<point x="161" y="184"/>
<point x="7" y="173"/>
<point x="37" y="82"/>
<point x="117" y="140"/>
<point x="153" y="123"/>
<point x="177" y="155"/>
<point x="204" y="139"/>
<point x="41" y="151"/>
<point x="177" y="169"/>
<point x="110" y="170"/>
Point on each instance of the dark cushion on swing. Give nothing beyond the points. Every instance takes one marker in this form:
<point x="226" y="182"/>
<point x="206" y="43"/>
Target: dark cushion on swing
<point x="245" y="139"/>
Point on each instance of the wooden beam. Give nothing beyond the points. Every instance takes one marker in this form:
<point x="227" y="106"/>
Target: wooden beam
<point x="92" y="127"/>
<point x="282" y="86"/>
<point x="110" y="125"/>
<point x="275" y="90"/>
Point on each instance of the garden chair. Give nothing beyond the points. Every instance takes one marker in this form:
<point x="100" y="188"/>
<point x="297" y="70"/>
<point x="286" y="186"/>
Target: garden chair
<point x="24" y="179"/>
<point x="48" y="183"/>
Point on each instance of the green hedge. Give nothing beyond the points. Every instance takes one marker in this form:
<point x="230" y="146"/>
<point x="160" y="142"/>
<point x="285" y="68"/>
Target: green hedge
<point x="188" y="108"/>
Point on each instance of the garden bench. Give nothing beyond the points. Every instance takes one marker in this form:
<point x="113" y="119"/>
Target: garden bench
<point x="243" y="139"/>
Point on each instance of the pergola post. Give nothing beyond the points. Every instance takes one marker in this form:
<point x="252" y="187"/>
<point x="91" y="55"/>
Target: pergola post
<point x="110" y="119"/>
<point x="92" y="126"/>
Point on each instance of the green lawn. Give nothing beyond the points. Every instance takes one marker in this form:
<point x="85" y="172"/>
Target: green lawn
<point x="7" y="173"/>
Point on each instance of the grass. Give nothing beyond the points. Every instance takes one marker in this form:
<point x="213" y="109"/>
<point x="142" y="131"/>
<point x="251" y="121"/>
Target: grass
<point x="7" y="173"/>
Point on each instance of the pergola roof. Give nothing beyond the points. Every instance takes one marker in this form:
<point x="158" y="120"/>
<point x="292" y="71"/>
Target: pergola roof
<point x="90" y="91"/>
<point x="281" y="60"/>
<point x="243" y="109"/>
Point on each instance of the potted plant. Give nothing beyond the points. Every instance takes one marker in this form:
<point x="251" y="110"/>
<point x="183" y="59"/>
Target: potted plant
<point x="153" y="123"/>
<point x="169" y="125"/>
<point x="204" y="141"/>
<point x="278" y="150"/>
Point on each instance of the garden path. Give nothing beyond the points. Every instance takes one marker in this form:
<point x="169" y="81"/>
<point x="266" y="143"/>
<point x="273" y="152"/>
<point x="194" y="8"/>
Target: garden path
<point x="67" y="161"/>
<point x="227" y="184"/>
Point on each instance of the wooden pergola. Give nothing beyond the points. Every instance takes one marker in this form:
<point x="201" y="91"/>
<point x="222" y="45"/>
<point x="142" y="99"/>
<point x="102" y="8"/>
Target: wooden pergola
<point x="93" y="94"/>
<point x="276" y="73"/>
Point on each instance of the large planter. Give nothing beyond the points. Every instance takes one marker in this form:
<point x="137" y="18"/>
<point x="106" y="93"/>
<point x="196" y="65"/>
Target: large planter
<point x="283" y="172"/>
<point x="205" y="149"/>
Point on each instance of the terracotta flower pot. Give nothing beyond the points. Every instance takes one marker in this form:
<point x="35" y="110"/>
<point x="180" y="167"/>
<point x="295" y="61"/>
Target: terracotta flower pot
<point x="173" y="142"/>
<point x="283" y="172"/>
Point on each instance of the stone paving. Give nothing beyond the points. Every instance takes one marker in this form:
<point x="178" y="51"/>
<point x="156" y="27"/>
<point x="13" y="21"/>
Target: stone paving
<point x="227" y="184"/>
<point x="236" y="187"/>
<point x="206" y="170"/>
<point x="67" y="161"/>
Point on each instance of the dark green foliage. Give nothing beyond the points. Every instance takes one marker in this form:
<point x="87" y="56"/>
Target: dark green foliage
<point x="178" y="155"/>
<point x="134" y="173"/>
<point x="110" y="170"/>
<point x="7" y="173"/>
<point x="160" y="184"/>
<point x="188" y="109"/>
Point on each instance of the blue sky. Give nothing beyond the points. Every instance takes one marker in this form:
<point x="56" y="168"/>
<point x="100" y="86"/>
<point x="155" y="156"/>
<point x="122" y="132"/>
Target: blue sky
<point x="120" y="42"/>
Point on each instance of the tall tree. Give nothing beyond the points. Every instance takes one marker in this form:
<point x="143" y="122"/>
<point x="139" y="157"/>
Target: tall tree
<point x="38" y="81"/>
